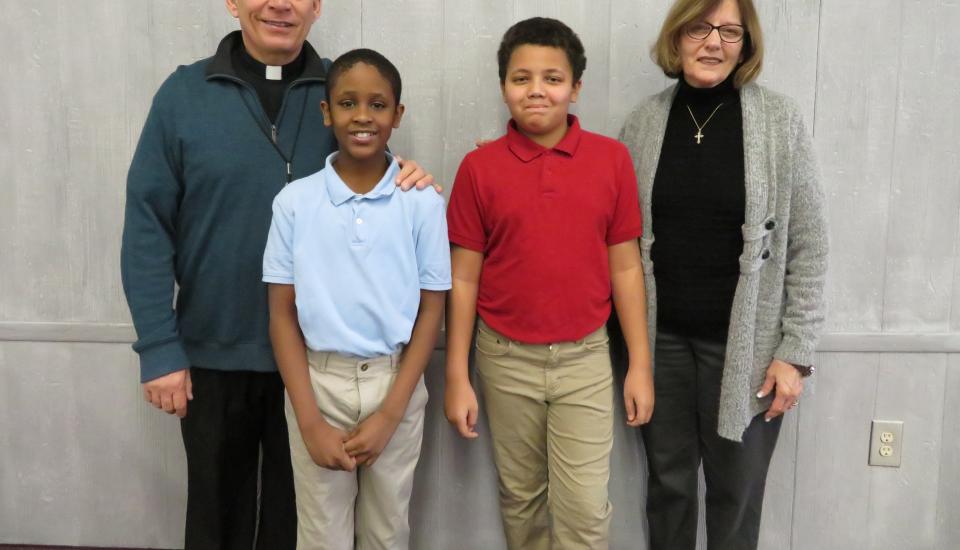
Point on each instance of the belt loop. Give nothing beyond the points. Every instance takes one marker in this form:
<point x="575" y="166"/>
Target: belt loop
<point x="325" y="358"/>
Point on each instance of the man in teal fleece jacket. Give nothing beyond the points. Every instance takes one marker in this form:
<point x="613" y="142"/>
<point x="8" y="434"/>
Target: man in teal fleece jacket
<point x="223" y="136"/>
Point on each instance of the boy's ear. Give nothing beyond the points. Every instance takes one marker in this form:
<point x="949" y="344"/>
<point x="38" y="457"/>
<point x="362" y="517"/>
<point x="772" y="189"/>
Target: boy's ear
<point x="576" y="91"/>
<point x="398" y="115"/>
<point x="325" y="109"/>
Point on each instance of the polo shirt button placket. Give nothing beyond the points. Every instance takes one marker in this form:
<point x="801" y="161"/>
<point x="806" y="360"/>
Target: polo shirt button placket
<point x="357" y="220"/>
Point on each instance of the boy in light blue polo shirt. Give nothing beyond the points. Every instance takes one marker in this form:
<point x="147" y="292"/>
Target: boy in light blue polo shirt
<point x="358" y="274"/>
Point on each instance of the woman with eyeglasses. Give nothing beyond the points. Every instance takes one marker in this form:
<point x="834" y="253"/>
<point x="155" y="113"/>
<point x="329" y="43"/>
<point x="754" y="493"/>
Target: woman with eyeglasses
<point x="734" y="253"/>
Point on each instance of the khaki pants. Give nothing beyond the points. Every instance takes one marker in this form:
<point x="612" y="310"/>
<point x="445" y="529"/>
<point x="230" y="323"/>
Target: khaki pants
<point x="372" y="503"/>
<point x="550" y="409"/>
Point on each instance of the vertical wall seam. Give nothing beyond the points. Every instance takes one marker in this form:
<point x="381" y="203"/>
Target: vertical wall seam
<point x="876" y="387"/>
<point x="944" y="437"/>
<point x="816" y="73"/>
<point x="893" y="157"/>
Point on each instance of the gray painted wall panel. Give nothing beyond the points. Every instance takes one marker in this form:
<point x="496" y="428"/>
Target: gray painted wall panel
<point x="855" y="113"/>
<point x="634" y="25"/>
<point x="925" y="167"/>
<point x="791" y="30"/>
<point x="833" y="482"/>
<point x="903" y="500"/>
<point x="84" y="461"/>
<point x="948" y="501"/>
<point x="421" y="132"/>
<point x="472" y="105"/>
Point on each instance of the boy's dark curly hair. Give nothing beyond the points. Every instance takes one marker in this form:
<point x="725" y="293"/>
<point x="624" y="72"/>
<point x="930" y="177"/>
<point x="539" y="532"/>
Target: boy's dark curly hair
<point x="370" y="57"/>
<point x="542" y="31"/>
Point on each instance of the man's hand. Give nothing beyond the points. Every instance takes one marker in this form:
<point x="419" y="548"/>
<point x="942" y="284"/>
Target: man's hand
<point x="325" y="445"/>
<point x="785" y="380"/>
<point x="460" y="405"/>
<point x="170" y="392"/>
<point x="638" y="395"/>
<point x="412" y="175"/>
<point x="367" y="441"/>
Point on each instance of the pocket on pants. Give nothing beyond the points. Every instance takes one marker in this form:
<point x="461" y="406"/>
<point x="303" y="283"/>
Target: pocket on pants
<point x="491" y="344"/>
<point x="597" y="342"/>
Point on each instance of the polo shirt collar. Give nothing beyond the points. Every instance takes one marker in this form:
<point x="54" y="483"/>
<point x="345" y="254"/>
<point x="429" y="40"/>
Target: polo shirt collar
<point x="526" y="149"/>
<point x="340" y="192"/>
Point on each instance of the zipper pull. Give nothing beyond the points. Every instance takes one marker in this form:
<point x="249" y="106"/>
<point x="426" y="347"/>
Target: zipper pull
<point x="289" y="173"/>
<point x="273" y="133"/>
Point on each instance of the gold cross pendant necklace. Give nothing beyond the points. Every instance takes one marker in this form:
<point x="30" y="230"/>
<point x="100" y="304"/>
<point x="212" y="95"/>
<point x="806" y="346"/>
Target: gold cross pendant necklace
<point x="700" y="127"/>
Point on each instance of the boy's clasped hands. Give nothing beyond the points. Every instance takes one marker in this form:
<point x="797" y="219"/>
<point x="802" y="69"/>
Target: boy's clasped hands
<point x="336" y="449"/>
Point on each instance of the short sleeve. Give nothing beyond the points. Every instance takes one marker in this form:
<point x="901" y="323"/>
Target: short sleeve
<point x="432" y="247"/>
<point x="278" y="255"/>
<point x="625" y="224"/>
<point x="465" y="213"/>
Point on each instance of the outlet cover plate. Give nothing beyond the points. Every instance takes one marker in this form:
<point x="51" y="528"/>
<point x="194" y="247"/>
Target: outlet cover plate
<point x="886" y="443"/>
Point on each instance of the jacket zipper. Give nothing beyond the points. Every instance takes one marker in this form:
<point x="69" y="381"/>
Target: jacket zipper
<point x="273" y="127"/>
<point x="273" y="136"/>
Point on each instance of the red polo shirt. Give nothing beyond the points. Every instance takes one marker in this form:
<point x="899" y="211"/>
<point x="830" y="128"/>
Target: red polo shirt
<point x="543" y="219"/>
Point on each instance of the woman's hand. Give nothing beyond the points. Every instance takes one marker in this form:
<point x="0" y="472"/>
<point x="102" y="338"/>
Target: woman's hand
<point x="783" y="379"/>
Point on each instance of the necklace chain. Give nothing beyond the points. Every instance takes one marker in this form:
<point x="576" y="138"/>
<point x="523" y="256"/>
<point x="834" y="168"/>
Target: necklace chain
<point x="699" y="135"/>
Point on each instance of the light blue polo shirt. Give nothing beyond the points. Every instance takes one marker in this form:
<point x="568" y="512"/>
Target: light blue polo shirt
<point x="357" y="262"/>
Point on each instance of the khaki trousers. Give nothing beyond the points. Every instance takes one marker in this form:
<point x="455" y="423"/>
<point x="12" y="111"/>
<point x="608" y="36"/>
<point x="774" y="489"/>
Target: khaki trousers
<point x="550" y="409"/>
<point x="369" y="506"/>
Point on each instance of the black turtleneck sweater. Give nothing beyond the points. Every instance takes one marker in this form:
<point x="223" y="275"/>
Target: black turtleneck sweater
<point x="254" y="73"/>
<point x="698" y="209"/>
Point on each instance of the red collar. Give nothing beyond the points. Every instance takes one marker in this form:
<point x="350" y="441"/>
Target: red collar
<point x="526" y="149"/>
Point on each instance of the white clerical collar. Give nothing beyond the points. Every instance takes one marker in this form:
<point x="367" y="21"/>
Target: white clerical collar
<point x="273" y="72"/>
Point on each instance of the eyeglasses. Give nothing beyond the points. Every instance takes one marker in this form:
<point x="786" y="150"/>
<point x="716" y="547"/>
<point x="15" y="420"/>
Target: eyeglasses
<point x="728" y="33"/>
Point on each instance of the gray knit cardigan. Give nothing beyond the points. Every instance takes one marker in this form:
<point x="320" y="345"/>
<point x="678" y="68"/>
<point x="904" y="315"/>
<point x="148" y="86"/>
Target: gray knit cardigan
<point x="778" y="307"/>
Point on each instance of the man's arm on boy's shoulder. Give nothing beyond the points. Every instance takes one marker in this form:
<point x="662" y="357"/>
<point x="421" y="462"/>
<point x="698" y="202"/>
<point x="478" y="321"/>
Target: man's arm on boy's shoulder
<point x="323" y="441"/>
<point x="368" y="440"/>
<point x="413" y="175"/>
<point x="460" y="401"/>
<point x="629" y="299"/>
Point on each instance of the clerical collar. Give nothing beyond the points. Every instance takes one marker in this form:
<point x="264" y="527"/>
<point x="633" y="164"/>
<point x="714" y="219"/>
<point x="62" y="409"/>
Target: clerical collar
<point x="285" y="73"/>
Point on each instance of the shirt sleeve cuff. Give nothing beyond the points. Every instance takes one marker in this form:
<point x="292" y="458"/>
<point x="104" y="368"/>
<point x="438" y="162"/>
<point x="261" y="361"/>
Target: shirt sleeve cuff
<point x="465" y="242"/>
<point x="278" y="279"/>
<point x="162" y="359"/>
<point x="617" y="238"/>
<point x="793" y="351"/>
<point x="438" y="287"/>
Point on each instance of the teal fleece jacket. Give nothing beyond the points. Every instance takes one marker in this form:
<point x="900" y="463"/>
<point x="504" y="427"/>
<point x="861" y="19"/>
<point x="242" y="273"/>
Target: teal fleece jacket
<point x="199" y="193"/>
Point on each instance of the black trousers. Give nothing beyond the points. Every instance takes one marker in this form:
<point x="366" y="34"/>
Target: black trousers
<point x="682" y="434"/>
<point x="234" y="433"/>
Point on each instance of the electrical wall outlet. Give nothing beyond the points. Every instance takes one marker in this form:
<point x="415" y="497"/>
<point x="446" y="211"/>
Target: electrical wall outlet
<point x="886" y="443"/>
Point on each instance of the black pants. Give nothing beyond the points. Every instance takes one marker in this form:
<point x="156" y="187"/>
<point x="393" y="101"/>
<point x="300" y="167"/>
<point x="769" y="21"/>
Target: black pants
<point x="235" y="418"/>
<point x="682" y="434"/>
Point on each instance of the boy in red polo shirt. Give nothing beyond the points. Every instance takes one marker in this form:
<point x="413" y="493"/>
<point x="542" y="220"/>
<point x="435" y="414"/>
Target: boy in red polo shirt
<point x="544" y="223"/>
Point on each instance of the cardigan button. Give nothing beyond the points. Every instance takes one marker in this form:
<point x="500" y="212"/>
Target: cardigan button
<point x="765" y="255"/>
<point x="770" y="225"/>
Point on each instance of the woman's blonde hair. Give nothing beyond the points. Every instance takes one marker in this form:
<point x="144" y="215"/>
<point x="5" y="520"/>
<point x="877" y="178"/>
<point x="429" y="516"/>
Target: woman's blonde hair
<point x="666" y="50"/>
